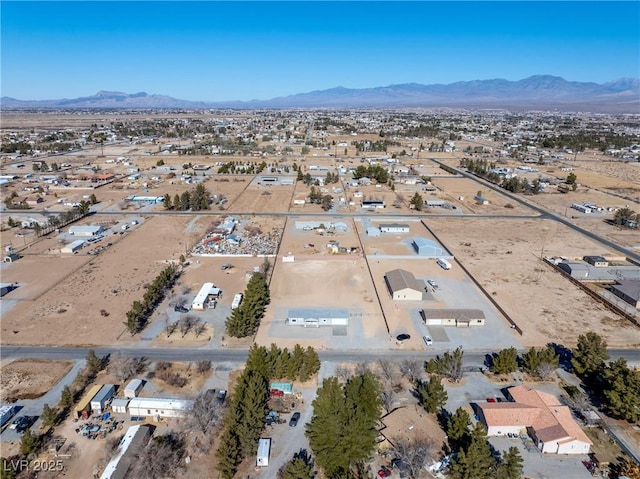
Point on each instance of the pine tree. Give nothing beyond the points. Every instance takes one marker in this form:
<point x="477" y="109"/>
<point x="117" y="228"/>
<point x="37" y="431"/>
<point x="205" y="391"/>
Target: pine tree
<point x="228" y="454"/>
<point x="176" y="202"/>
<point x="252" y="410"/>
<point x="29" y="443"/>
<point x="511" y="464"/>
<point x="296" y="468"/>
<point x="458" y="429"/>
<point x="166" y="202"/>
<point x="589" y="355"/>
<point x="326" y="426"/>
<point x="506" y="361"/>
<point x="66" y="397"/>
<point x="311" y="364"/>
<point x="432" y="394"/>
<point x="621" y="390"/>
<point x="49" y="416"/>
<point x="94" y="363"/>
<point x="476" y="460"/>
<point x="296" y="363"/>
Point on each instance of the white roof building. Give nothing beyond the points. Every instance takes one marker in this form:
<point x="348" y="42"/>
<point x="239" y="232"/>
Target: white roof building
<point x="159" y="407"/>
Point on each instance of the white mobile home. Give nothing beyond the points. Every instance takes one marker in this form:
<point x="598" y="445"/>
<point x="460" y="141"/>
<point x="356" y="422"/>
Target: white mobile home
<point x="119" y="405"/>
<point x="200" y="301"/>
<point x="264" y="448"/>
<point x="159" y="407"/>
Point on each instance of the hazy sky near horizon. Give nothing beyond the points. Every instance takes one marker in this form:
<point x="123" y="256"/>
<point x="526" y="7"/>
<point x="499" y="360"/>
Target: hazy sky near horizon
<point x="218" y="51"/>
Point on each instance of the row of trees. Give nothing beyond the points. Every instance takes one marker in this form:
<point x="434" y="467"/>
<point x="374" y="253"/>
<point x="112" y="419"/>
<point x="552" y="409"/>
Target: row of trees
<point x="245" y="319"/>
<point x="342" y="432"/>
<point x="375" y="172"/>
<point x="538" y="363"/>
<point x="275" y="363"/>
<point x="616" y="385"/>
<point x="244" y="421"/>
<point x="140" y="311"/>
<point x="195" y="200"/>
<point x="234" y="167"/>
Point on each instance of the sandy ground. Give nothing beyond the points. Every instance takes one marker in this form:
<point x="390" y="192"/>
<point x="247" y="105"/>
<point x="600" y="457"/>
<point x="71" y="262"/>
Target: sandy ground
<point x="392" y="243"/>
<point x="69" y="312"/>
<point x="262" y="198"/>
<point x="330" y="283"/>
<point x="31" y="378"/>
<point x="299" y="242"/>
<point x="504" y="256"/>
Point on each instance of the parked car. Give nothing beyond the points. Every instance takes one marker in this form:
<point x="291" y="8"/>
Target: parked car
<point x="221" y="396"/>
<point x="181" y="309"/>
<point x="427" y="340"/>
<point x="293" y="422"/>
<point x="403" y="337"/>
<point x="384" y="471"/>
<point x="24" y="422"/>
<point x="491" y="400"/>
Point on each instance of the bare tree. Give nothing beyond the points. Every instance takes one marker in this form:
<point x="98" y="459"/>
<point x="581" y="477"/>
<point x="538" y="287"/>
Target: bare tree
<point x="203" y="366"/>
<point x="545" y="370"/>
<point x="187" y="322"/>
<point x="163" y="457"/>
<point x="388" y="399"/>
<point x="123" y="367"/>
<point x="169" y="327"/>
<point x="411" y="369"/>
<point x="362" y="368"/>
<point x="199" y="328"/>
<point x="387" y="371"/>
<point x="415" y="453"/>
<point x="203" y="413"/>
<point x="343" y="373"/>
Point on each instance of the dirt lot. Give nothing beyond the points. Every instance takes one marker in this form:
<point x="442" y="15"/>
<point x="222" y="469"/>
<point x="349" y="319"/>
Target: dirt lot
<point x="69" y="312"/>
<point x="504" y="256"/>
<point x="392" y="243"/>
<point x="294" y="240"/>
<point x="330" y="283"/>
<point x="262" y="198"/>
<point x="31" y="378"/>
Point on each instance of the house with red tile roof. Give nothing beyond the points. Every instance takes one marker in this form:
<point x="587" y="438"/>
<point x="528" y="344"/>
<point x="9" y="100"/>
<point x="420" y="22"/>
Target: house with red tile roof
<point x="550" y="424"/>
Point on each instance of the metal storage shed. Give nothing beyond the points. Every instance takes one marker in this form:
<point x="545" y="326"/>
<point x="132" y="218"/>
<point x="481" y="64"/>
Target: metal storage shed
<point x="84" y="406"/>
<point x="132" y="389"/>
<point x="72" y="247"/>
<point x="99" y="401"/>
<point x="402" y="285"/>
<point x="373" y="231"/>
<point x="426" y="247"/>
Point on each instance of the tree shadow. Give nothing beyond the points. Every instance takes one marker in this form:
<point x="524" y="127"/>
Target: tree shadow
<point x="564" y="355"/>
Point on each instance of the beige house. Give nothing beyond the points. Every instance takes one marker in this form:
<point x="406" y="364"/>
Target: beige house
<point x="403" y="286"/>
<point x="459" y="318"/>
<point x="550" y="424"/>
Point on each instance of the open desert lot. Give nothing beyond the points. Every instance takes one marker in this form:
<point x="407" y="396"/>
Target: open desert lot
<point x="262" y="198"/>
<point x="31" y="378"/>
<point x="331" y="283"/>
<point x="69" y="312"/>
<point x="504" y="256"/>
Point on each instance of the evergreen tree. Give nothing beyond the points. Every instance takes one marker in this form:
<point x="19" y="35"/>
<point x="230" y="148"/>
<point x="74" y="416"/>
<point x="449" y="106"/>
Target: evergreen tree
<point x="296" y="362"/>
<point x="66" y="397"/>
<point x="29" y="443"/>
<point x="458" y="429"/>
<point x="166" y="202"/>
<point x="510" y="466"/>
<point x="505" y="362"/>
<point x="476" y="460"/>
<point x="621" y="390"/>
<point x="94" y="363"/>
<point x="49" y="416"/>
<point x="589" y="355"/>
<point x="311" y="364"/>
<point x="299" y="467"/>
<point x="228" y="453"/>
<point x="326" y="426"/>
<point x="176" y="202"/>
<point x="417" y="201"/>
<point x="432" y="394"/>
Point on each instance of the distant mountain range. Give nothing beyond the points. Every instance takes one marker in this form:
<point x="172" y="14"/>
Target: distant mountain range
<point x="536" y="92"/>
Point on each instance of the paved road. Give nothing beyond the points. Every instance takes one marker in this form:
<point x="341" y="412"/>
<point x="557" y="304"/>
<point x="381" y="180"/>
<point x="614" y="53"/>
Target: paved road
<point x="471" y="358"/>
<point x="547" y="214"/>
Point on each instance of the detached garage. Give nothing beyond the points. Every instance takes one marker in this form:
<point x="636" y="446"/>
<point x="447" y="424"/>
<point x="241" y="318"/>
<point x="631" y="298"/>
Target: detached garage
<point x="72" y="247"/>
<point x="460" y="318"/>
<point x="426" y="247"/>
<point x="402" y="285"/>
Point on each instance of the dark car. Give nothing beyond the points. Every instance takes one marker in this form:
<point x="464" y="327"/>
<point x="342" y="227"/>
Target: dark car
<point x="221" y="396"/>
<point x="24" y="422"/>
<point x="180" y="309"/>
<point x="293" y="422"/>
<point x="403" y="337"/>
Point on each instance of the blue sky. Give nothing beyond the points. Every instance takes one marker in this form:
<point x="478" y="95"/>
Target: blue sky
<point x="244" y="50"/>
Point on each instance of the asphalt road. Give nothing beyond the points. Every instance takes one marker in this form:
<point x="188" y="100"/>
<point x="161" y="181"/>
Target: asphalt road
<point x="471" y="358"/>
